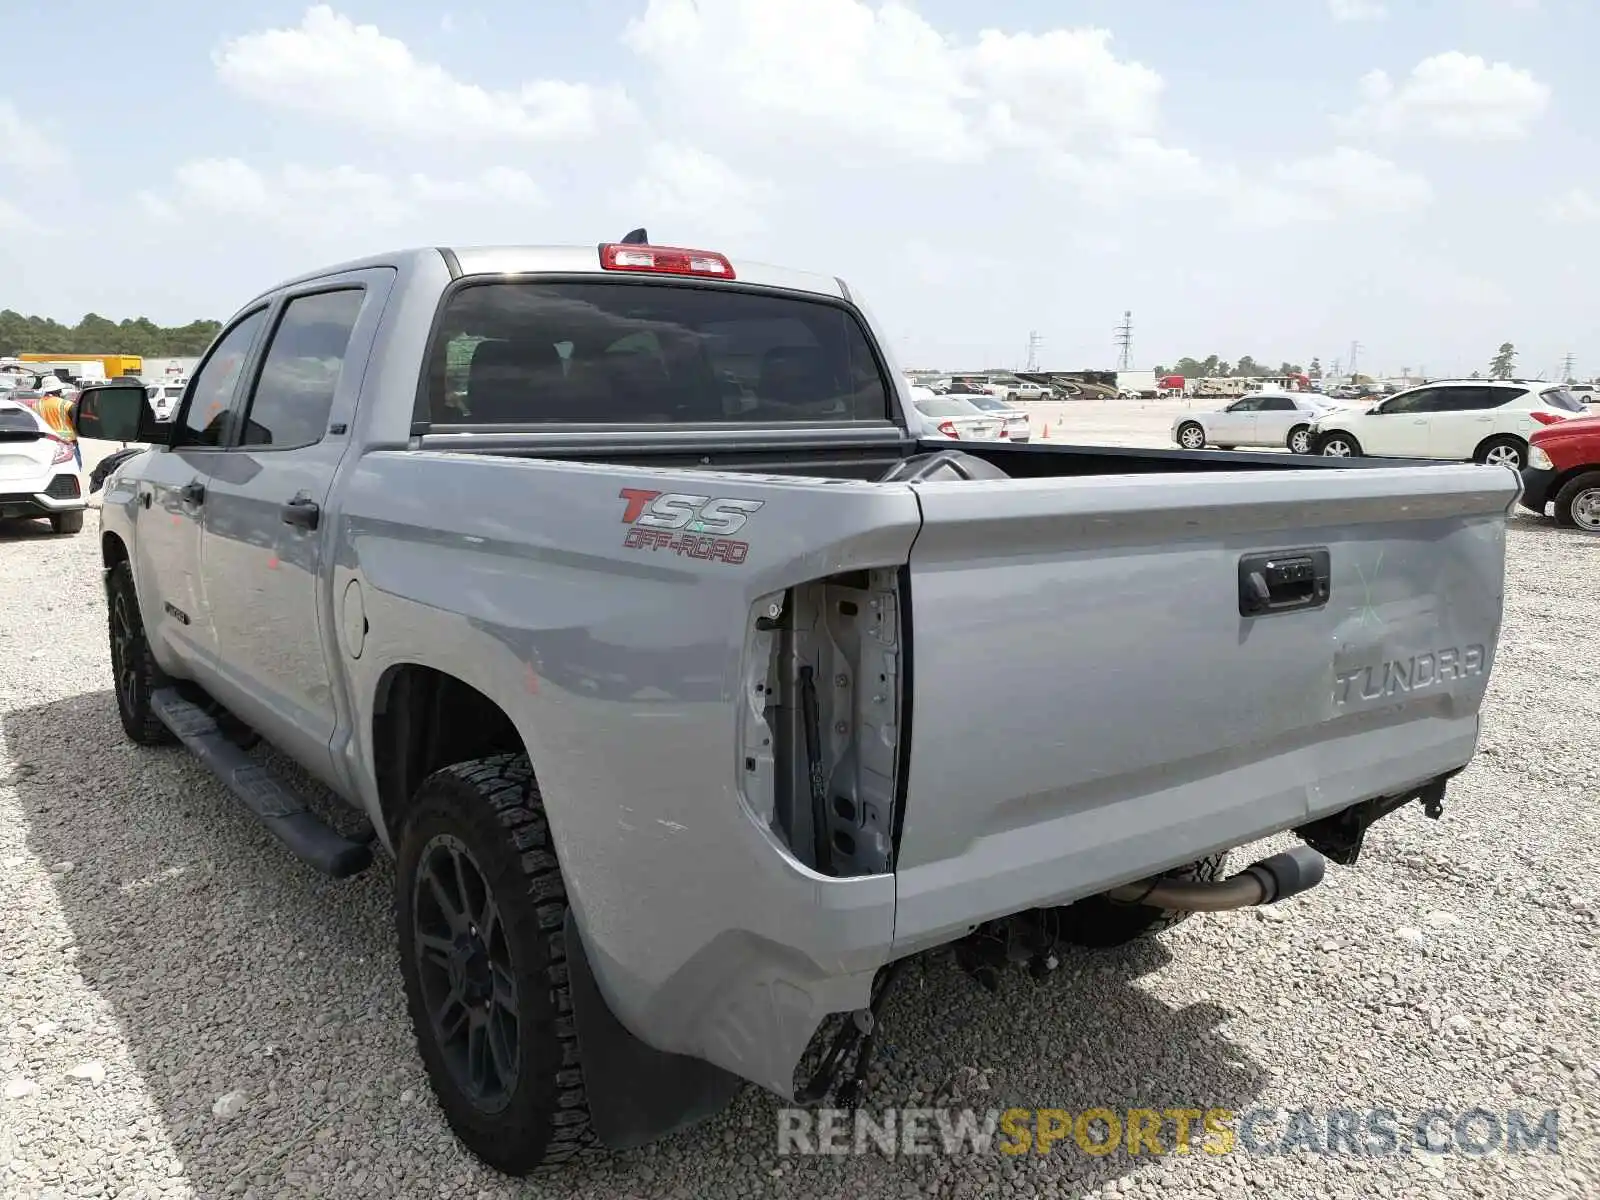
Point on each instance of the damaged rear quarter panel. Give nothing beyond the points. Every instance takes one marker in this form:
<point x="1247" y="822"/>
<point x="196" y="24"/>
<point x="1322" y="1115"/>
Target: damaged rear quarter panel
<point x="618" y="657"/>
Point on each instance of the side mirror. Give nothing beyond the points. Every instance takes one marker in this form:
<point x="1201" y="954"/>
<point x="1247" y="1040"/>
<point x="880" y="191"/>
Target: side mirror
<point x="117" y="412"/>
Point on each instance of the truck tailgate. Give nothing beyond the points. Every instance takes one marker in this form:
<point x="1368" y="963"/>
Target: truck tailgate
<point x="1089" y="703"/>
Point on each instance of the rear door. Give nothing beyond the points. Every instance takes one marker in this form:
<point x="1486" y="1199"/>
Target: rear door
<point x="1089" y="637"/>
<point x="1464" y="415"/>
<point x="266" y="537"/>
<point x="174" y="598"/>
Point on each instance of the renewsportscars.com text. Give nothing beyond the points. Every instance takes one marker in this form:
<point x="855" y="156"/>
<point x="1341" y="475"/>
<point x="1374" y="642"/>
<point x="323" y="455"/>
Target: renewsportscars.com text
<point x="1370" y="1132"/>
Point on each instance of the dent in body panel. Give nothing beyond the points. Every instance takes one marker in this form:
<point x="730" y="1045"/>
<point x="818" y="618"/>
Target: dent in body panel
<point x="514" y="570"/>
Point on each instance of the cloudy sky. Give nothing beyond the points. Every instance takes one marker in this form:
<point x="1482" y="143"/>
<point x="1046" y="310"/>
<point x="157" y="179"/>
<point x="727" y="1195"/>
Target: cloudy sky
<point x="1267" y="177"/>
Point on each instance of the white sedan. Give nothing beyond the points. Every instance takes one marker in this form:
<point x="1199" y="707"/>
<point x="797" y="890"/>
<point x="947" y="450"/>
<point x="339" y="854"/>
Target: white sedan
<point x="952" y="417"/>
<point x="39" y="474"/>
<point x="1259" y="419"/>
<point x="1481" y="420"/>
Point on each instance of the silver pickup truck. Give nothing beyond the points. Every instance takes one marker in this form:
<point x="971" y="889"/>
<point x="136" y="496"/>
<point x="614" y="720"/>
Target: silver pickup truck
<point x="692" y="695"/>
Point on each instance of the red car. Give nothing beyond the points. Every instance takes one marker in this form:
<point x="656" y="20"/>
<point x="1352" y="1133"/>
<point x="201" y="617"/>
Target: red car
<point x="1564" y="469"/>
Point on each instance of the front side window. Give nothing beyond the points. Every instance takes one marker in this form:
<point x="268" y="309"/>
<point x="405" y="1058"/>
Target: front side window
<point x="206" y="421"/>
<point x="624" y="353"/>
<point x="300" y="372"/>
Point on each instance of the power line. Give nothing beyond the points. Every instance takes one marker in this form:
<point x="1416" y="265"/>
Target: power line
<point x="1125" y="342"/>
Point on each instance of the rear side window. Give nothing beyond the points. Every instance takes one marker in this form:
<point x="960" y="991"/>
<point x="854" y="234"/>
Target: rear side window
<point x="1278" y="404"/>
<point x="300" y="373"/>
<point x="617" y="353"/>
<point x="1561" y="398"/>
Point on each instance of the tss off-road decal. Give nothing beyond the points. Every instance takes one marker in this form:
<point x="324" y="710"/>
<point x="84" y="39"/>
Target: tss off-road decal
<point x="691" y="526"/>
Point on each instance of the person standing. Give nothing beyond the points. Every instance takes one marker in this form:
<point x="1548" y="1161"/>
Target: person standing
<point x="56" y="410"/>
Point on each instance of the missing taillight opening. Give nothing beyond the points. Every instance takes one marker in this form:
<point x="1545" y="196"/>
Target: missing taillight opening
<point x="665" y="260"/>
<point x="64" y="452"/>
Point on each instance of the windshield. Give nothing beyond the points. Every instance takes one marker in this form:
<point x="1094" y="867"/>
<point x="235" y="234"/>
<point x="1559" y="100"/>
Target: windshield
<point x="1561" y="398"/>
<point x="629" y="353"/>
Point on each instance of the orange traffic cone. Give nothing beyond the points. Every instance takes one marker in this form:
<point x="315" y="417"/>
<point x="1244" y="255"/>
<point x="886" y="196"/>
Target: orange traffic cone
<point x="1046" y="432"/>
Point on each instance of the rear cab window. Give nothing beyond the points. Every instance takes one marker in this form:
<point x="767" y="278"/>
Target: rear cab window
<point x="610" y="352"/>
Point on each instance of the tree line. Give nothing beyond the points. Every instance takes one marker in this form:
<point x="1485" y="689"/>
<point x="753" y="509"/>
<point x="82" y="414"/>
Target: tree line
<point x="1213" y="367"/>
<point x="99" y="335"/>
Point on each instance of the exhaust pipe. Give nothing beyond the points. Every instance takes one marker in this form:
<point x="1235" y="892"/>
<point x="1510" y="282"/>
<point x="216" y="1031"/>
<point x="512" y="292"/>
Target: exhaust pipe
<point x="1266" y="882"/>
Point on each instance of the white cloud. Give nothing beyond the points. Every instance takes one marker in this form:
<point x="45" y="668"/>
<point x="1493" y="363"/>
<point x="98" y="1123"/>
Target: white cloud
<point x="335" y="69"/>
<point x="23" y="144"/>
<point x="325" y="200"/>
<point x="1450" y="95"/>
<point x="1357" y="10"/>
<point x="844" y="73"/>
<point x="1575" y="206"/>
<point x="1353" y="181"/>
<point x="701" y="191"/>
<point x="14" y="220"/>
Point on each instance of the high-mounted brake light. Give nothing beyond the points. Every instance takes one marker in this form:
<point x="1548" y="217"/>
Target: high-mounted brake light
<point x="1546" y="418"/>
<point x="664" y="260"/>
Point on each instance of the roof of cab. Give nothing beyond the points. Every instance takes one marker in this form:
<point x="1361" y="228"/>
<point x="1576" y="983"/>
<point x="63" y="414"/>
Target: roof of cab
<point x="561" y="260"/>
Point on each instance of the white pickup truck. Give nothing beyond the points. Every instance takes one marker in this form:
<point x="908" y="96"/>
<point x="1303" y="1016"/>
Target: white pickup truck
<point x="609" y="588"/>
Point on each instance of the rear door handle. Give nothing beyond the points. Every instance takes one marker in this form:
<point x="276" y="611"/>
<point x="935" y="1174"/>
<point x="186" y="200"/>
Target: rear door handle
<point x="1278" y="581"/>
<point x="301" y="513"/>
<point x="193" y="493"/>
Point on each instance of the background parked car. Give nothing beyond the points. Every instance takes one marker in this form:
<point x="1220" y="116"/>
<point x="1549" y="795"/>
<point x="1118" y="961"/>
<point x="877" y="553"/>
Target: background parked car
<point x="952" y="417"/>
<point x="39" y="474"/>
<point x="164" y="397"/>
<point x="1014" y="425"/>
<point x="1259" y="419"/>
<point x="1482" y="420"/>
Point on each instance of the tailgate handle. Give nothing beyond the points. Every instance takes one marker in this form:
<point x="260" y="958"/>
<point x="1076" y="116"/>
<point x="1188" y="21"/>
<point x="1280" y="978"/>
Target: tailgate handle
<point x="1277" y="581"/>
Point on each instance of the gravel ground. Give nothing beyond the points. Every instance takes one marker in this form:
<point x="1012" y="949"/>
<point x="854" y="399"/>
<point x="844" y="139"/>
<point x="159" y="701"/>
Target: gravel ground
<point x="186" y="1011"/>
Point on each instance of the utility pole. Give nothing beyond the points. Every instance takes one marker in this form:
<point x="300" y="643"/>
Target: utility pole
<point x="1333" y="373"/>
<point x="1125" y="342"/>
<point x="1355" y="349"/>
<point x="1034" y="342"/>
<point x="1566" y="368"/>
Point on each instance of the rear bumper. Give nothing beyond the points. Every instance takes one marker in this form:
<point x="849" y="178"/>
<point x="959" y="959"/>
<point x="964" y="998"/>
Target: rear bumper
<point x="62" y="492"/>
<point x="1537" y="488"/>
<point x="1090" y="850"/>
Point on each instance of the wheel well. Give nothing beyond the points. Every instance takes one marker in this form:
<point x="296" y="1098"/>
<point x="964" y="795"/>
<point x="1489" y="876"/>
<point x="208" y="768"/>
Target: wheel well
<point x="1482" y="447"/>
<point x="424" y="720"/>
<point x="112" y="550"/>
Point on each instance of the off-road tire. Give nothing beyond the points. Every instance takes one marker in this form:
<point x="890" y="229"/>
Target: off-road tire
<point x="492" y="807"/>
<point x="67" y="522"/>
<point x="1567" y="497"/>
<point x="134" y="674"/>
<point x="1100" y="924"/>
